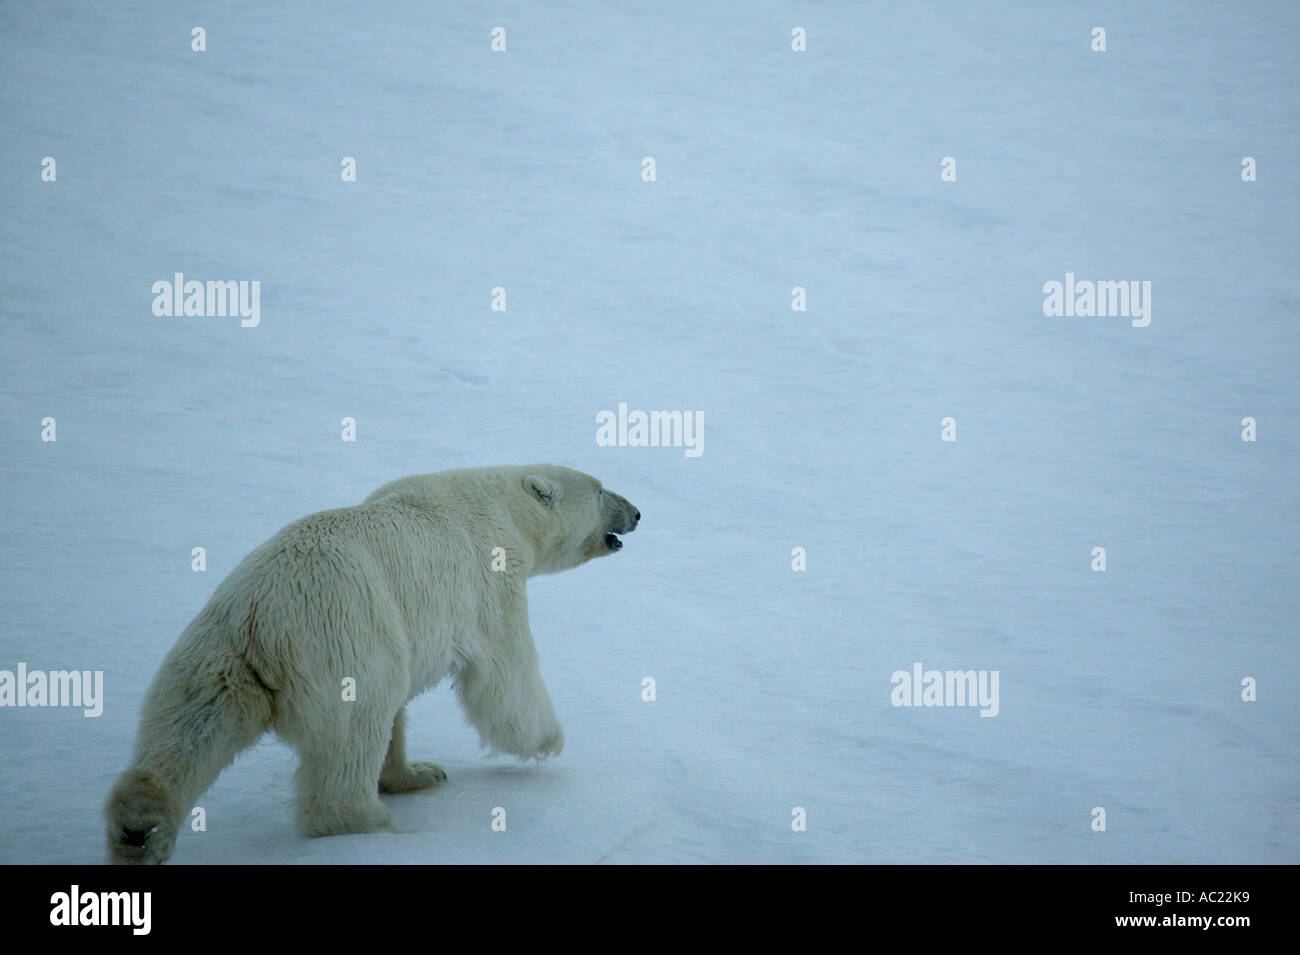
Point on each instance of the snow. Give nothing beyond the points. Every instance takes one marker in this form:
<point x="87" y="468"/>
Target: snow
<point x="775" y="169"/>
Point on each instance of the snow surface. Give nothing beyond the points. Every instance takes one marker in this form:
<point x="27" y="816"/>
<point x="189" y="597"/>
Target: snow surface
<point x="775" y="169"/>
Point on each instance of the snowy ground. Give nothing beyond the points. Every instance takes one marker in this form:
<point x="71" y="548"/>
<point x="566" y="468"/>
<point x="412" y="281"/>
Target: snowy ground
<point x="775" y="169"/>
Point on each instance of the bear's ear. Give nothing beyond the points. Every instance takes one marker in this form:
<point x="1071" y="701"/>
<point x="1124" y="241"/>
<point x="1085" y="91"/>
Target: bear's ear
<point x="548" y="492"/>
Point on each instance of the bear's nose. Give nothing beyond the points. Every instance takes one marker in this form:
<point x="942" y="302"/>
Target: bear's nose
<point x="638" y="516"/>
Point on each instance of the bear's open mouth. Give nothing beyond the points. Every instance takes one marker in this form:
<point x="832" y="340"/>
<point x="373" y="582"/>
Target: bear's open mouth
<point x="612" y="542"/>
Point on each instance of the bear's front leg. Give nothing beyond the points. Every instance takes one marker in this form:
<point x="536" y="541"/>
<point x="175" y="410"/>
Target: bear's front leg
<point x="399" y="776"/>
<point x="506" y="700"/>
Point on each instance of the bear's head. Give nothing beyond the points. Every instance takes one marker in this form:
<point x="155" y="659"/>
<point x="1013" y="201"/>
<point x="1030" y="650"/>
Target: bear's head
<point x="581" y="519"/>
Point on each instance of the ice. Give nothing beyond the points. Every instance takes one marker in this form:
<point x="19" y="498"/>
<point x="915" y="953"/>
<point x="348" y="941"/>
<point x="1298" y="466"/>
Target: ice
<point x="775" y="169"/>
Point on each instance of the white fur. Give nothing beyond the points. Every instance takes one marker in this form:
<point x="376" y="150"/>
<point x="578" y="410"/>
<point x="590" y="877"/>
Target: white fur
<point x="396" y="593"/>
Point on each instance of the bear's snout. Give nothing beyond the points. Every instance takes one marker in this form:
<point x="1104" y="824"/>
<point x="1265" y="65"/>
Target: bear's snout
<point x="621" y="518"/>
<point x="631" y="520"/>
<point x="625" y="518"/>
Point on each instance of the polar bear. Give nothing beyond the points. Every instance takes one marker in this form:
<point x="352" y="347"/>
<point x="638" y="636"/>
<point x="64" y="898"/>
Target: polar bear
<point x="324" y="633"/>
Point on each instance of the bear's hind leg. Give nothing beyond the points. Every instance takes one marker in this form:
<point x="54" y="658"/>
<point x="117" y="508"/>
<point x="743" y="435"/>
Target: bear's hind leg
<point x="336" y="782"/>
<point x="399" y="776"/>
